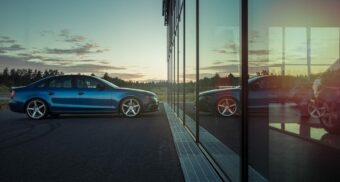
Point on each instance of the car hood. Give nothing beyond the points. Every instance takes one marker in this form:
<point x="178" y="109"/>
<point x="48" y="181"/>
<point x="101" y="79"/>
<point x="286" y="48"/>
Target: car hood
<point x="233" y="89"/>
<point x="137" y="91"/>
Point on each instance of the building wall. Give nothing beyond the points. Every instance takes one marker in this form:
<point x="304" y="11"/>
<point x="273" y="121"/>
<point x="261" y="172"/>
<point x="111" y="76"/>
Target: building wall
<point x="290" y="44"/>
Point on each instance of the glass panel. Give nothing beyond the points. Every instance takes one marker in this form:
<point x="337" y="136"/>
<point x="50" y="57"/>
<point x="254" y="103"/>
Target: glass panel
<point x="180" y="66"/>
<point x="190" y="64"/>
<point x="219" y="98"/>
<point x="293" y="123"/>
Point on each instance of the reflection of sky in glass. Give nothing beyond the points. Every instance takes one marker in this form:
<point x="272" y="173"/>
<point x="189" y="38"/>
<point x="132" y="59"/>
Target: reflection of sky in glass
<point x="268" y="20"/>
<point x="190" y="35"/>
<point x="219" y="38"/>
<point x="269" y="46"/>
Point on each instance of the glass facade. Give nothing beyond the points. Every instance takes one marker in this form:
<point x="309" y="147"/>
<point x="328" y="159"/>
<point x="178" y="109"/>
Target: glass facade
<point x="255" y="83"/>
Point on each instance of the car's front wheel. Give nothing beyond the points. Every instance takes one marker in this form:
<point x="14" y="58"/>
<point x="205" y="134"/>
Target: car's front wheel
<point x="36" y="109"/>
<point x="130" y="107"/>
<point x="227" y="106"/>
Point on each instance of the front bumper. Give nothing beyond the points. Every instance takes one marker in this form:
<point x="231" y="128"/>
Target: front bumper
<point x="151" y="105"/>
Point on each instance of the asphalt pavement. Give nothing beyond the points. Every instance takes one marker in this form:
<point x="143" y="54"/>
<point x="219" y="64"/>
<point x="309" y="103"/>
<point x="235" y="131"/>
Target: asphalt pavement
<point x="87" y="148"/>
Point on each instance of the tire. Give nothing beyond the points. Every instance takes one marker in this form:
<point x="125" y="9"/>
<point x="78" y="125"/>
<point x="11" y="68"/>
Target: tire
<point x="36" y="109"/>
<point x="227" y="106"/>
<point x="130" y="107"/>
<point x="330" y="121"/>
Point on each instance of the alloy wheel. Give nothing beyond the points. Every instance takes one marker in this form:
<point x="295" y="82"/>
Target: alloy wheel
<point x="227" y="107"/>
<point x="130" y="107"/>
<point x="316" y="110"/>
<point x="36" y="109"/>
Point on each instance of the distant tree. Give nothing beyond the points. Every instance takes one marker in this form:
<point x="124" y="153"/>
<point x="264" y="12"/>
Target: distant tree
<point x="264" y="72"/>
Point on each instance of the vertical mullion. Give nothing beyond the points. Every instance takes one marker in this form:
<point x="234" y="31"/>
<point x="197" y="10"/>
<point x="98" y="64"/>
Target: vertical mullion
<point x="174" y="72"/>
<point x="178" y="88"/>
<point x="184" y="100"/>
<point x="244" y="90"/>
<point x="197" y="71"/>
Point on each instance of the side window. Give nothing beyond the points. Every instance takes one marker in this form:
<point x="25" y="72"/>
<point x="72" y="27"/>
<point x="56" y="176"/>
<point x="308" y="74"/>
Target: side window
<point x="267" y="83"/>
<point x="88" y="82"/>
<point x="42" y="85"/>
<point x="60" y="82"/>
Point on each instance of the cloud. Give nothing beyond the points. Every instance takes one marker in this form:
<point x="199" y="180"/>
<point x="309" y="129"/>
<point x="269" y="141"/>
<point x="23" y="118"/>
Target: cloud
<point x="217" y="62"/>
<point x="14" y="47"/>
<point x="6" y="40"/>
<point x="221" y="51"/>
<point x="89" y="68"/>
<point x="79" y="45"/>
<point x="67" y="37"/>
<point x="222" y="68"/>
<point x="231" y="46"/>
<point x="128" y="76"/>
<point x="46" y="32"/>
<point x="259" y="52"/>
<point x="87" y="48"/>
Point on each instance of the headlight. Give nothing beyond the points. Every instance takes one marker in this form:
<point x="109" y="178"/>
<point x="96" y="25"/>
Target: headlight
<point x="151" y="97"/>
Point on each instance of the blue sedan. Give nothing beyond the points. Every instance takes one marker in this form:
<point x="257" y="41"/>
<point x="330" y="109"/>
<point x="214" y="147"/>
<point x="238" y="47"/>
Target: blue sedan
<point x="263" y="90"/>
<point x="79" y="94"/>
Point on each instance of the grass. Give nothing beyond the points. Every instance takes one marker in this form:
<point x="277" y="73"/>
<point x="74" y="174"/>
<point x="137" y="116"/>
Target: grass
<point x="3" y="89"/>
<point x="3" y="104"/>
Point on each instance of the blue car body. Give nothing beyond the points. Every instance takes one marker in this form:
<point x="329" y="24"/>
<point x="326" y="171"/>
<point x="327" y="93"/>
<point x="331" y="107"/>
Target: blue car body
<point x="73" y="99"/>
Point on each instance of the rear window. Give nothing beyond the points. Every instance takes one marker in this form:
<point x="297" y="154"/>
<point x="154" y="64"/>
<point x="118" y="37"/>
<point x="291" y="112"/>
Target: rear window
<point x="60" y="82"/>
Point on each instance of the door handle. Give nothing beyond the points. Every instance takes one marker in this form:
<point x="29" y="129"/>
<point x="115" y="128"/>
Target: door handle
<point x="80" y="93"/>
<point x="50" y="93"/>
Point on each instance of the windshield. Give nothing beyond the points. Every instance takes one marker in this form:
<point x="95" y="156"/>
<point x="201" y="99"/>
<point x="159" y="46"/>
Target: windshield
<point x="107" y="82"/>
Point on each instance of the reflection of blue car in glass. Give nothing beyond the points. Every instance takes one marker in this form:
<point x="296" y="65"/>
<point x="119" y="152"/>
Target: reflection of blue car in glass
<point x="263" y="90"/>
<point x="73" y="94"/>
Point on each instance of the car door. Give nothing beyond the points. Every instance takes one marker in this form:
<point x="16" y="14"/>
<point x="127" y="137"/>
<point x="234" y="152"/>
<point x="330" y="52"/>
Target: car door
<point x="263" y="91"/>
<point x="62" y="94"/>
<point x="94" y="95"/>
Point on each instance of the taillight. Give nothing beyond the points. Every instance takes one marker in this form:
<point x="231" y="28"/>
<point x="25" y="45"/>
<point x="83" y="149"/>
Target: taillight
<point x="13" y="93"/>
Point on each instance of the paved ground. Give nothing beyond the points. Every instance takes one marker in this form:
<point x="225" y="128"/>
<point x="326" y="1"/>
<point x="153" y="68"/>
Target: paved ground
<point x="87" y="148"/>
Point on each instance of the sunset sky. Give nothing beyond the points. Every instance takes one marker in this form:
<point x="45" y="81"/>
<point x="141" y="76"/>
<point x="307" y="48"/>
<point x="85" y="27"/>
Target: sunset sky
<point x="125" y="38"/>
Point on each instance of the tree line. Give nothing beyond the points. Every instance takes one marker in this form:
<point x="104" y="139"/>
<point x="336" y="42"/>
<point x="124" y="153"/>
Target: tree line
<point x="17" y="77"/>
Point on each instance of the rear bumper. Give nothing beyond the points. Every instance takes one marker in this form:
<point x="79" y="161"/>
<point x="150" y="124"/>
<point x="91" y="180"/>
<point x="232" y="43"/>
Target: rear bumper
<point x="16" y="106"/>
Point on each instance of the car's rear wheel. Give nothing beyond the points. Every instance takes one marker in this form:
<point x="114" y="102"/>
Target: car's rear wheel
<point x="331" y="120"/>
<point x="316" y="109"/>
<point x="130" y="107"/>
<point x="227" y="106"/>
<point x="36" y="109"/>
